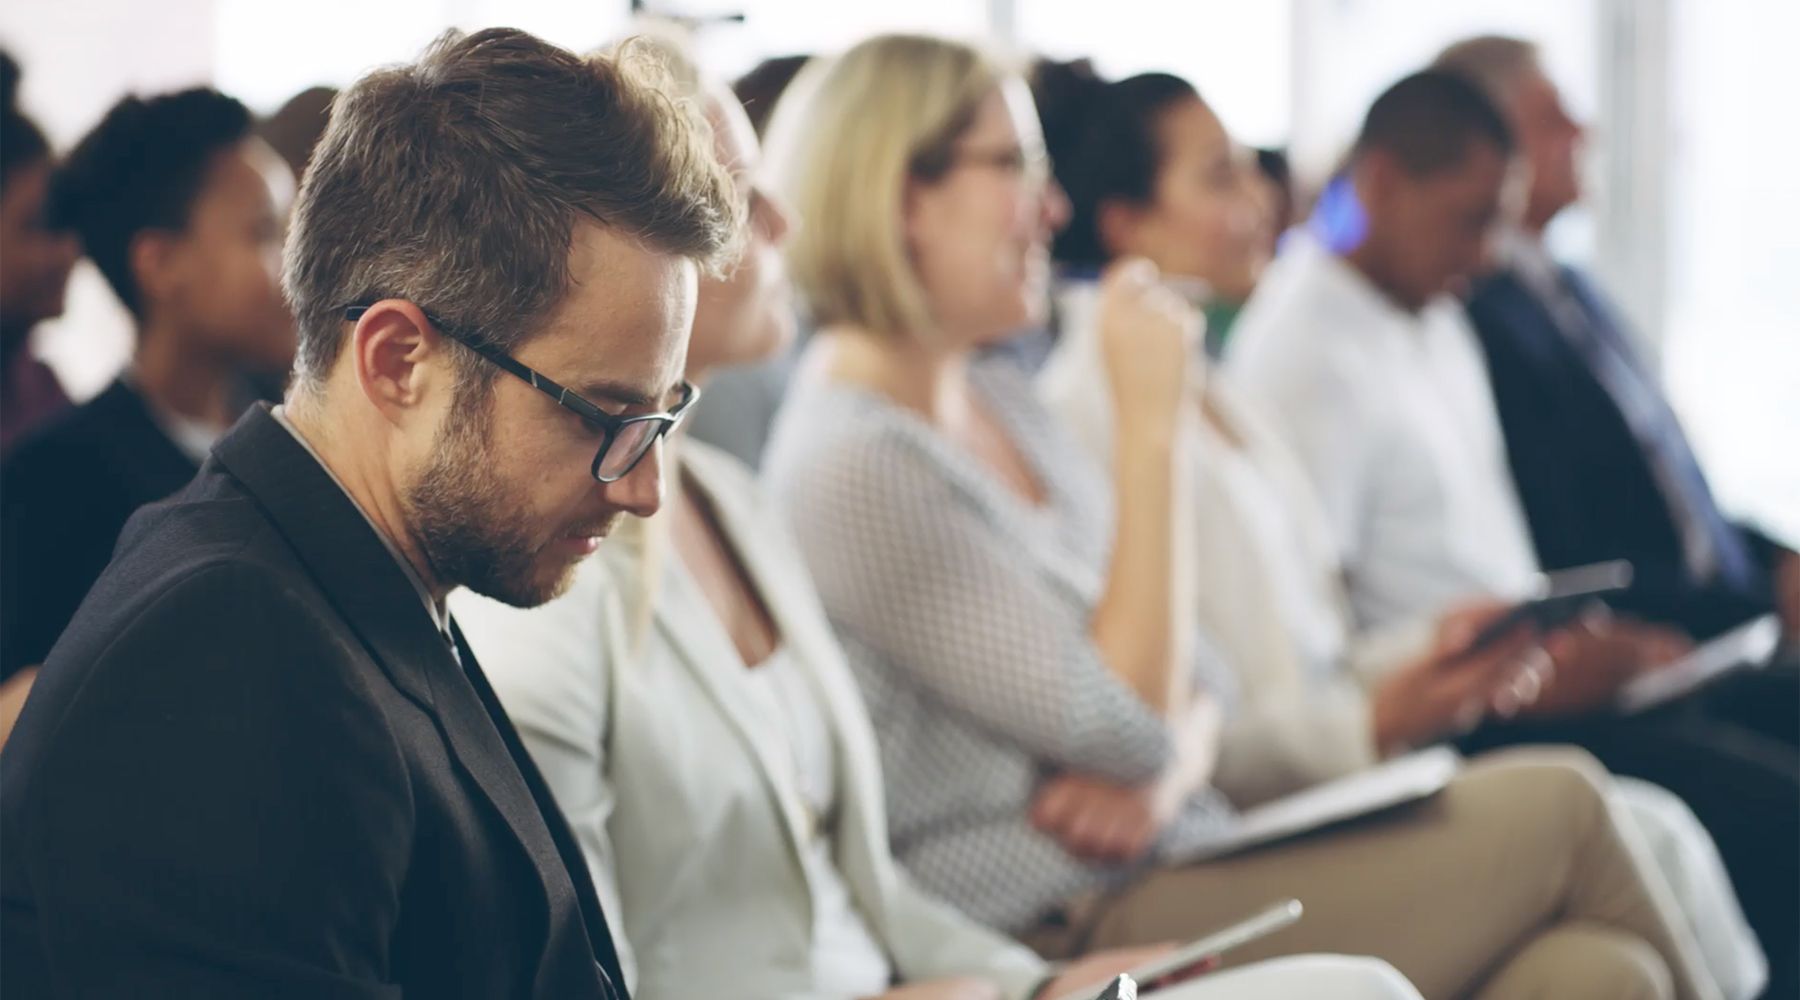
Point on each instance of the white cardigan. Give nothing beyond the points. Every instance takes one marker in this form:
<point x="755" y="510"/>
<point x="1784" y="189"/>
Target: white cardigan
<point x="1267" y="590"/>
<point x="690" y="824"/>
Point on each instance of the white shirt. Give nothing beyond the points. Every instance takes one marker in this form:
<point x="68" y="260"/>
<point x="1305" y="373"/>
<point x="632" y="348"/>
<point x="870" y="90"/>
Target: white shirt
<point x="1392" y="417"/>
<point x="194" y="438"/>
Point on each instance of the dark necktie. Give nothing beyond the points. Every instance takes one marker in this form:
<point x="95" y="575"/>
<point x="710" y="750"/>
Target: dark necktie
<point x="1711" y="546"/>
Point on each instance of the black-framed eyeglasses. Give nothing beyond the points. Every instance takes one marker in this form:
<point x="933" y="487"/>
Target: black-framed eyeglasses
<point x="625" y="440"/>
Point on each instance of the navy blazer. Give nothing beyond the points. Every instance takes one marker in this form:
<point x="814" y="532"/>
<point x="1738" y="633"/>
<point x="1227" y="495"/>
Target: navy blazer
<point x="1588" y="487"/>
<point x="252" y="767"/>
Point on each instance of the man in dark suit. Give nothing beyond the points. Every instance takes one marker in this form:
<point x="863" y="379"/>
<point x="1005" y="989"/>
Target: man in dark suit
<point x="1604" y="471"/>
<point x="1603" y="468"/>
<point x="182" y="210"/>
<point x="261" y="762"/>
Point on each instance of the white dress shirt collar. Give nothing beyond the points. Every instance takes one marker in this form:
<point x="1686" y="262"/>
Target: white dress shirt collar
<point x="1350" y="288"/>
<point x="1527" y="257"/>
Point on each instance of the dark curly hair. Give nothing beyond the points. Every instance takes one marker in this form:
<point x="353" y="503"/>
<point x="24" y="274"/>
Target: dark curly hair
<point x="21" y="142"/>
<point x="1103" y="139"/>
<point x="142" y="168"/>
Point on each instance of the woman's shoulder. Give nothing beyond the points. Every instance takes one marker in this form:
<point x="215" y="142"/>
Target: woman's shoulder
<point x="718" y="470"/>
<point x="838" y="435"/>
<point x="733" y="487"/>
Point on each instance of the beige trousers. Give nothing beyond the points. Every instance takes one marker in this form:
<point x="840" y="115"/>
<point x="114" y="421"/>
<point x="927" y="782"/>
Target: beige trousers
<point x="1517" y="881"/>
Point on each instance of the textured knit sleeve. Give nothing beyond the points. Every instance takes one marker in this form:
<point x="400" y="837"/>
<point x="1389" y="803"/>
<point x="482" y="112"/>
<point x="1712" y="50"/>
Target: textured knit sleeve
<point x="916" y="572"/>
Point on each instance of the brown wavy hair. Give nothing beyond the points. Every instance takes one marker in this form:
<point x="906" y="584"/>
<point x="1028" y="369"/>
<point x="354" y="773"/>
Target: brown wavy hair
<point x="456" y="182"/>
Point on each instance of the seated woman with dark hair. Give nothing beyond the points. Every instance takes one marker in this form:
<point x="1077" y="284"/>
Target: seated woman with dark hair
<point x="1150" y="171"/>
<point x="181" y="210"/>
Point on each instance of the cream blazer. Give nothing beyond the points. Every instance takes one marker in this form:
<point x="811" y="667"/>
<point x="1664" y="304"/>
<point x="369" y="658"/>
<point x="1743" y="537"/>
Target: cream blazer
<point x="632" y="701"/>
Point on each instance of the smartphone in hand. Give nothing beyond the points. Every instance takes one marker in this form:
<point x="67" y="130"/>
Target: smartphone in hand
<point x="1558" y="599"/>
<point x="1121" y="988"/>
<point x="1203" y="954"/>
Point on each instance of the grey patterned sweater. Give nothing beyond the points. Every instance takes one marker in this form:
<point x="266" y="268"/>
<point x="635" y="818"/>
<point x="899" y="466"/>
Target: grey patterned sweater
<point x="965" y="613"/>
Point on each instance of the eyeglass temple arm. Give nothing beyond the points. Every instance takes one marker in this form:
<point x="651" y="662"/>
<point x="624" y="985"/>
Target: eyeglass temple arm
<point x="539" y="382"/>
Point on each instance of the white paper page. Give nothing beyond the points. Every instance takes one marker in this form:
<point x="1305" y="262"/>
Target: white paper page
<point x="1393" y="783"/>
<point x="1750" y="644"/>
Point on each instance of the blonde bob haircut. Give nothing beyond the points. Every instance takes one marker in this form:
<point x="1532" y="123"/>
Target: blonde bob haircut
<point x="843" y="143"/>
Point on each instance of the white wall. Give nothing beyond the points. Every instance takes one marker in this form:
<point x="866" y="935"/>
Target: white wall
<point x="1732" y="350"/>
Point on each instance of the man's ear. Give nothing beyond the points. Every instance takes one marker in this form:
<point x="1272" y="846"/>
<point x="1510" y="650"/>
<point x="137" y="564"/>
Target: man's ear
<point x="400" y="358"/>
<point x="1381" y="179"/>
<point x="1372" y="179"/>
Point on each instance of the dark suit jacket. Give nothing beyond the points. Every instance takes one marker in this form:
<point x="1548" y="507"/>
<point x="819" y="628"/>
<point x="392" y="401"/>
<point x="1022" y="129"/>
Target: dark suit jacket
<point x="64" y="496"/>
<point x="1587" y="487"/>
<point x="252" y="768"/>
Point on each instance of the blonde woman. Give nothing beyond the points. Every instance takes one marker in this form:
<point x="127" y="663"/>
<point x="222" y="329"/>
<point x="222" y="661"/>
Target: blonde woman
<point x="1047" y="730"/>
<point x="692" y="715"/>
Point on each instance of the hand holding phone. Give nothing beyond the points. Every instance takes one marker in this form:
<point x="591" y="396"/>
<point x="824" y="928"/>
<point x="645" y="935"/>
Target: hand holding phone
<point x="1203" y="954"/>
<point x="1121" y="988"/>
<point x="1558" y="599"/>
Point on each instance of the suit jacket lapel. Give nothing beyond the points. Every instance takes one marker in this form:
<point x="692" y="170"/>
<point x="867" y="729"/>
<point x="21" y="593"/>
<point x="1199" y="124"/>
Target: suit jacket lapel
<point x="568" y="853"/>
<point x="777" y="576"/>
<point x="781" y="583"/>
<point x="336" y="543"/>
<point x="862" y="813"/>
<point x="706" y="651"/>
<point x="1601" y="321"/>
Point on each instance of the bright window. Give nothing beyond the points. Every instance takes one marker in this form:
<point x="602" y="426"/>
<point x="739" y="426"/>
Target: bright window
<point x="267" y="53"/>
<point x="820" y="27"/>
<point x="1238" y="55"/>
<point x="1732" y="356"/>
